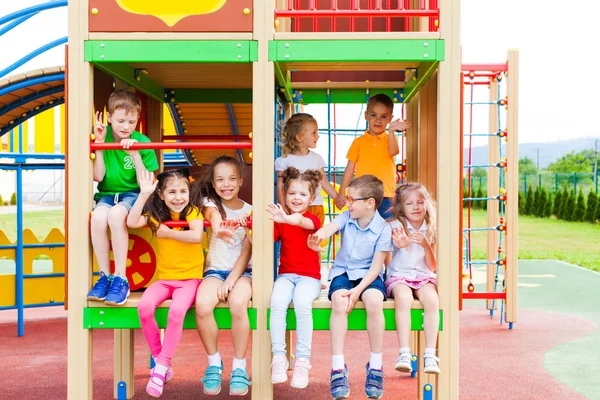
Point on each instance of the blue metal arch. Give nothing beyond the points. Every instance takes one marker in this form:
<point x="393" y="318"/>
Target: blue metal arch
<point x="30" y="98"/>
<point x="32" y="10"/>
<point x="32" y="55"/>
<point x="60" y="76"/>
<point x="32" y="113"/>
<point x="179" y="130"/>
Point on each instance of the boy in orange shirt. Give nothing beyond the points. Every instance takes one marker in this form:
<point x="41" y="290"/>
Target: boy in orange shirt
<point x="374" y="152"/>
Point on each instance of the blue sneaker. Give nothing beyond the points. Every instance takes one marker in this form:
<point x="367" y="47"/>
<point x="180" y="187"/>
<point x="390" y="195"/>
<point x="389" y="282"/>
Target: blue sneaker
<point x="118" y="292"/>
<point x="238" y="386"/>
<point x="100" y="289"/>
<point x="339" y="384"/>
<point x="374" y="383"/>
<point x="212" y="380"/>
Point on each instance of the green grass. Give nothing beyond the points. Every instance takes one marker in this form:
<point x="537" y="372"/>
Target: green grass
<point x="546" y="239"/>
<point x="40" y="222"/>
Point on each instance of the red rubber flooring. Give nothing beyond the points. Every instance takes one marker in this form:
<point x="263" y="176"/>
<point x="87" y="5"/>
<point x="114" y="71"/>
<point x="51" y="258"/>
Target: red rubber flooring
<point x="495" y="363"/>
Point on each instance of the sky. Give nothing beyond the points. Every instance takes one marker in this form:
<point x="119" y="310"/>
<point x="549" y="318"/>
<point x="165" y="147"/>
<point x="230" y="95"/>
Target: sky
<point x="558" y="98"/>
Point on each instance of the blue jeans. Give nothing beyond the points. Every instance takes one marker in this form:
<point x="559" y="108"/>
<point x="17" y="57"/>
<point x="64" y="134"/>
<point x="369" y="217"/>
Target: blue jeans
<point x="223" y="274"/>
<point x="125" y="199"/>
<point x="303" y="290"/>
<point x="385" y="208"/>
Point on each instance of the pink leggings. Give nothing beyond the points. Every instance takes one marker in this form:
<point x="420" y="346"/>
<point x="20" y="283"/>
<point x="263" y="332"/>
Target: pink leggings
<point x="183" y="294"/>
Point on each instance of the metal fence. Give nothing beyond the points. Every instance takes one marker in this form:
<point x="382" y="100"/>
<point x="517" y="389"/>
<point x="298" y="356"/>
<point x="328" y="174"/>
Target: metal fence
<point x="552" y="182"/>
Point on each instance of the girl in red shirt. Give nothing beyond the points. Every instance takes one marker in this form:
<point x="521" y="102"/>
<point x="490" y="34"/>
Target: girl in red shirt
<point x="299" y="276"/>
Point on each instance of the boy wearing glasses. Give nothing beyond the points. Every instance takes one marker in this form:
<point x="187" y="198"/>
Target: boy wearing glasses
<point x="373" y="153"/>
<point x="357" y="273"/>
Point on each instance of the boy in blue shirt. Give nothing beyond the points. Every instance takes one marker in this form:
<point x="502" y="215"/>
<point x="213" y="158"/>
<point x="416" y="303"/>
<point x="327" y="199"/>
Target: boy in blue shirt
<point x="357" y="273"/>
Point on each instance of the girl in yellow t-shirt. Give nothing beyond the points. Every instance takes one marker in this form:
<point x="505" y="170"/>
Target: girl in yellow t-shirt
<point x="179" y="263"/>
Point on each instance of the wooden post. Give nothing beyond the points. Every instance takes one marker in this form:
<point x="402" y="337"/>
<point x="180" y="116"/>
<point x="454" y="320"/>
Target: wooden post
<point x="412" y="140"/>
<point x="512" y="186"/>
<point x="263" y="104"/>
<point x="493" y="182"/>
<point x="123" y="361"/>
<point x="79" y="102"/>
<point x="428" y="131"/>
<point x="448" y="195"/>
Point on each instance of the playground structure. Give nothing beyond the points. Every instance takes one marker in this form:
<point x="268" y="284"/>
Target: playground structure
<point x="502" y="184"/>
<point x="218" y="88"/>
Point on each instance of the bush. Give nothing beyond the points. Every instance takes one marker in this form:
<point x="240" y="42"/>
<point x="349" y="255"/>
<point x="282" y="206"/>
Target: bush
<point x="477" y="203"/>
<point x="548" y="206"/>
<point x="569" y="207"/>
<point x="592" y="204"/>
<point x="484" y="203"/>
<point x="13" y="199"/>
<point x="529" y="201"/>
<point x="579" y="207"/>
<point x="1" y="201"/>
<point x="557" y="203"/>
<point x="536" y="202"/>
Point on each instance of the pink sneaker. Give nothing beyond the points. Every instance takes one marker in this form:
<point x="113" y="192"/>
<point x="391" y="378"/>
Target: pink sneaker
<point x="155" y="385"/>
<point x="301" y="370"/>
<point x="168" y="374"/>
<point x="279" y="369"/>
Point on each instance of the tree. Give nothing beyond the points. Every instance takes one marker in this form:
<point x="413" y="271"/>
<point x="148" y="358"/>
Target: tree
<point x="484" y="203"/>
<point x="557" y="203"/>
<point x="477" y="203"/>
<point x="548" y="206"/>
<point x="13" y="199"/>
<point x="527" y="167"/>
<point x="579" y="207"/>
<point x="528" y="201"/>
<point x="536" y="202"/>
<point x="521" y="203"/>
<point x="541" y="203"/>
<point x="569" y="206"/>
<point x="592" y="204"/>
<point x="574" y="162"/>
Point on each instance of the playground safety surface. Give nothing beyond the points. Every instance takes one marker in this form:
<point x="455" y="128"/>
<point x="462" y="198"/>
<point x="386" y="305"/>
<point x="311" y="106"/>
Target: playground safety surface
<point x="551" y="353"/>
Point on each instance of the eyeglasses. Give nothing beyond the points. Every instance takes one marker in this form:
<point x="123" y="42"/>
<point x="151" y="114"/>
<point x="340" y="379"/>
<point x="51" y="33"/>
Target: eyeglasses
<point x="351" y="200"/>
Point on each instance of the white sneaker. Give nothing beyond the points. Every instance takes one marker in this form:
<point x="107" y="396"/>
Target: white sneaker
<point x="431" y="364"/>
<point x="301" y="369"/>
<point x="279" y="367"/>
<point x="404" y="362"/>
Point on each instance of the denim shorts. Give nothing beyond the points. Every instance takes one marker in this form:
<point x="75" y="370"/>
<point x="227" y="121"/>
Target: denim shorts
<point x="343" y="282"/>
<point x="385" y="208"/>
<point x="223" y="274"/>
<point x="125" y="199"/>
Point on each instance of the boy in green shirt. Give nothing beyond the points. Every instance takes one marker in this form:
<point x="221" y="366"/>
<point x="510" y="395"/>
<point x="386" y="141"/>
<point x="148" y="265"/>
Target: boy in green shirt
<point x="117" y="172"/>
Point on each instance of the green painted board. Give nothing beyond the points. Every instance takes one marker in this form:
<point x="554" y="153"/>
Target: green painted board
<point x="357" y="319"/>
<point x="339" y="96"/>
<point x="127" y="318"/>
<point x="415" y="50"/>
<point x="235" y="51"/>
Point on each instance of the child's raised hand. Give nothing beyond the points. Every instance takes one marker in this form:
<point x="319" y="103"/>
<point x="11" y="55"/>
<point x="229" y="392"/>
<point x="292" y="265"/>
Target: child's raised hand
<point x="99" y="128"/>
<point x="419" y="238"/>
<point x="400" y="238"/>
<point x="225" y="230"/>
<point x="163" y="231"/>
<point x="314" y="242"/>
<point x="352" y="296"/>
<point x="277" y="213"/>
<point x="127" y="143"/>
<point x="147" y="182"/>
<point x="398" y="125"/>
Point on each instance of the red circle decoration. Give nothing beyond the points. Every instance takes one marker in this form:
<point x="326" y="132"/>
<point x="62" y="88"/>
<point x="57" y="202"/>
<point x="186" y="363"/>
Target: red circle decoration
<point x="146" y="269"/>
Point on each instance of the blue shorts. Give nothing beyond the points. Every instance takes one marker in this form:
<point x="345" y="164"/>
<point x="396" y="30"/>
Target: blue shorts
<point x="385" y="208"/>
<point x="125" y="199"/>
<point x="223" y="274"/>
<point x="343" y="282"/>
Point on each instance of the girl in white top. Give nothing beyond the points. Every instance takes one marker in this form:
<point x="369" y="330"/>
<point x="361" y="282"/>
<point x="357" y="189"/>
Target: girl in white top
<point x="412" y="271"/>
<point x="227" y="276"/>
<point x="300" y="134"/>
